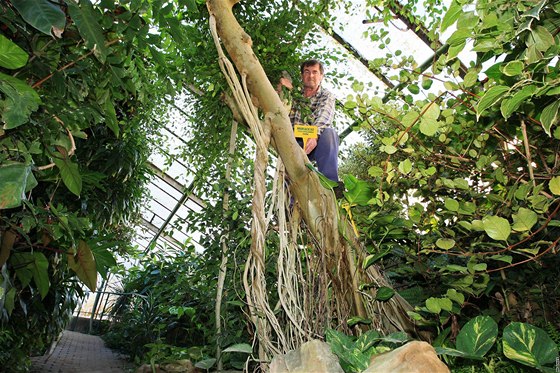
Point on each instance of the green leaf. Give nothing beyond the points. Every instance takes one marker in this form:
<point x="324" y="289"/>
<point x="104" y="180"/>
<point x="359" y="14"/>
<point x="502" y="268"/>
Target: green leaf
<point x="535" y="11"/>
<point x="513" y="68"/>
<point x="191" y="6"/>
<point x="366" y="340"/>
<point x="389" y="149"/>
<point x="453" y="352"/>
<point x="206" y="363"/>
<point x="491" y="96"/>
<point x="70" y="174"/>
<point x="477" y="336"/>
<point x="454" y="295"/>
<point x="240" y="347"/>
<point x="343" y="347"/>
<point x="358" y="191"/>
<point x="496" y="227"/>
<point x="414" y="89"/>
<point x="451" y="16"/>
<point x="371" y="259"/>
<point x="22" y="264"/>
<point x="84" y="17"/>
<point x="451" y="204"/>
<point x="494" y="71"/>
<point x="554" y="185"/>
<point x="21" y="100"/>
<point x="111" y="117"/>
<point x="32" y="266"/>
<point x="541" y="38"/>
<point x="529" y="345"/>
<point x="509" y="105"/>
<point x="357" y="320"/>
<point x="396" y="337"/>
<point x="502" y="258"/>
<point x="41" y="14"/>
<point x="83" y="263"/>
<point x="11" y="55"/>
<point x="405" y="166"/>
<point x="431" y="111"/>
<point x="427" y="83"/>
<point x="375" y="171"/>
<point x="13" y="182"/>
<point x="325" y="181"/>
<point x="9" y="300"/>
<point x="429" y="127"/>
<point x="524" y="220"/>
<point x="409" y="118"/>
<point x="445" y="243"/>
<point x="433" y="305"/>
<point x="470" y="78"/>
<point x="549" y="116"/>
<point x="40" y="272"/>
<point x="104" y="260"/>
<point x="384" y="293"/>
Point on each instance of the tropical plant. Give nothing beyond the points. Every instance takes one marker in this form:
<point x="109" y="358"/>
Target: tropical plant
<point x="166" y="311"/>
<point x="355" y="352"/>
<point x="521" y="342"/>
<point x="461" y="202"/>
<point x="73" y="153"/>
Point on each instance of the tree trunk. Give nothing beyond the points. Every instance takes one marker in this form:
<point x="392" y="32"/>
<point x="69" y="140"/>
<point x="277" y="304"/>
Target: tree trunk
<point x="318" y="205"/>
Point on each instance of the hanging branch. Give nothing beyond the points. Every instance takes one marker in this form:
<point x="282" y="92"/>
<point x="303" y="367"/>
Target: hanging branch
<point x="255" y="267"/>
<point x="224" y="241"/>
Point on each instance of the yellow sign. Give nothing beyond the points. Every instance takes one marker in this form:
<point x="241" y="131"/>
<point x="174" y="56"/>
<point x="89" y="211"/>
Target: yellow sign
<point x="305" y="132"/>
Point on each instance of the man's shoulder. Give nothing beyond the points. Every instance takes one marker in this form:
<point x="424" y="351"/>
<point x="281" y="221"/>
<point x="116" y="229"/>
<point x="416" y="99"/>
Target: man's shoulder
<point x="324" y="93"/>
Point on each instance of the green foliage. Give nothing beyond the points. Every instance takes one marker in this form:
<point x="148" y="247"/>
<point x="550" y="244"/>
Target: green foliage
<point x="355" y="353"/>
<point x="453" y="203"/>
<point x="522" y="342"/>
<point x="167" y="312"/>
<point x="461" y="181"/>
<point x="77" y="94"/>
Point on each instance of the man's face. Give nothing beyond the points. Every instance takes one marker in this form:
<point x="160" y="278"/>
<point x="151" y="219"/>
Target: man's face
<point x="311" y="77"/>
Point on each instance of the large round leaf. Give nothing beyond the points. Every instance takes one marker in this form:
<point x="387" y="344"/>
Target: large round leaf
<point x="477" y="336"/>
<point x="41" y="14"/>
<point x="524" y="220"/>
<point x="496" y="227"/>
<point x="529" y="345"/>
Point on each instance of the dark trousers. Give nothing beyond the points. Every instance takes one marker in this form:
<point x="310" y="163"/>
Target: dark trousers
<point x="325" y="153"/>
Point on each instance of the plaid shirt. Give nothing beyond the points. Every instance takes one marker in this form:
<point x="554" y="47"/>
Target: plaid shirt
<point x="322" y="110"/>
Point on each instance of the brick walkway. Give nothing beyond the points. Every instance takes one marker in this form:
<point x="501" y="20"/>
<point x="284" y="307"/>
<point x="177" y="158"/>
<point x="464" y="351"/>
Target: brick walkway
<point x="80" y="353"/>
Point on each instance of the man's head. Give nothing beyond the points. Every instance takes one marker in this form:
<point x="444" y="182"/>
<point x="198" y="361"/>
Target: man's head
<point x="311" y="74"/>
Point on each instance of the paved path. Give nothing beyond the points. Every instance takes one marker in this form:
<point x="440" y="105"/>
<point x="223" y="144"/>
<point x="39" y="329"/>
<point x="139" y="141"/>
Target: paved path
<point x="80" y="353"/>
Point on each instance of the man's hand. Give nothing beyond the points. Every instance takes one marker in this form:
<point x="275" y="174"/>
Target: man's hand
<point x="311" y="144"/>
<point x="286" y="82"/>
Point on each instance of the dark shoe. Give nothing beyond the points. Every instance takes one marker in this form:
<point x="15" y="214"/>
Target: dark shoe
<point x="339" y="190"/>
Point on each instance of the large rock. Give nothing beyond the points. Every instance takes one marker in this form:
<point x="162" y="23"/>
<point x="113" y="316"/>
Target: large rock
<point x="312" y="357"/>
<point x="413" y="357"/>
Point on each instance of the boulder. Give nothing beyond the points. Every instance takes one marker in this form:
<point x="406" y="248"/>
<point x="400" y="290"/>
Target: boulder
<point x="413" y="357"/>
<point x="312" y="357"/>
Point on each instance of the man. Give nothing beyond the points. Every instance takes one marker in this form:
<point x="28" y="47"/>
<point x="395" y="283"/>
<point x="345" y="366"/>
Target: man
<point x="317" y="109"/>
